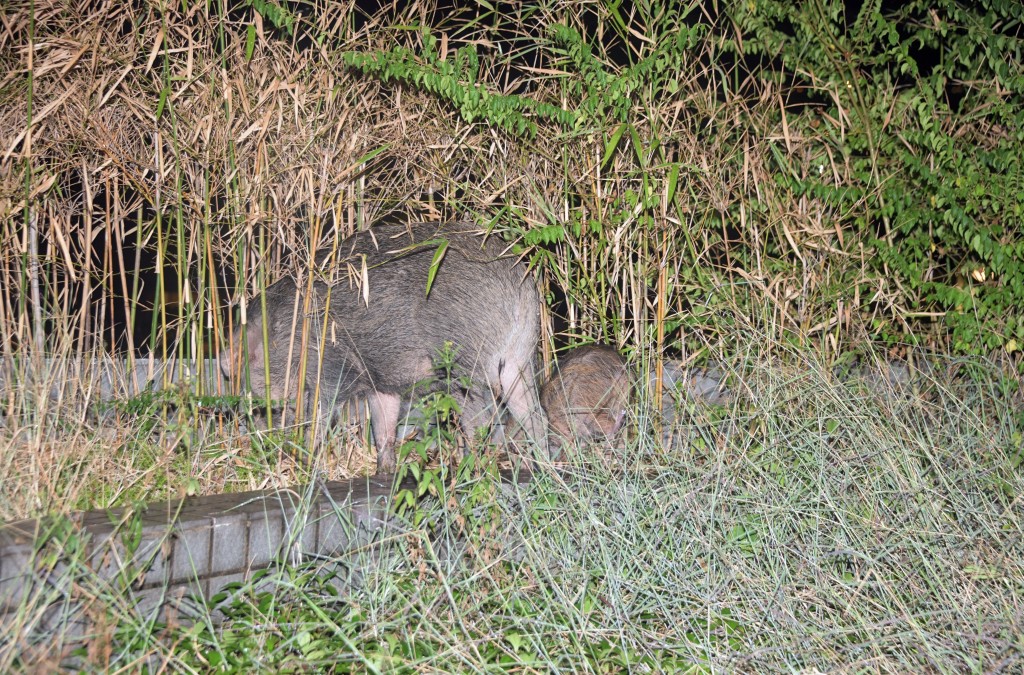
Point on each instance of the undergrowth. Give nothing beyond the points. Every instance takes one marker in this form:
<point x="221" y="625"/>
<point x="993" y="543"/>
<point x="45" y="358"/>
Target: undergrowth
<point x="811" y="523"/>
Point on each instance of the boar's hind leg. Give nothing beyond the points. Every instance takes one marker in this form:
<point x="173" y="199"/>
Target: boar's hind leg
<point x="475" y="412"/>
<point x="519" y="391"/>
<point x="384" y="410"/>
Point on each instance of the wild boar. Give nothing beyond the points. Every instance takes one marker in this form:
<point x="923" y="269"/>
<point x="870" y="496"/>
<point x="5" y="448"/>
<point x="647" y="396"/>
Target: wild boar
<point x="385" y="325"/>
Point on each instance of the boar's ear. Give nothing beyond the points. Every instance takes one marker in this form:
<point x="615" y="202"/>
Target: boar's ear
<point x="255" y="336"/>
<point x="232" y="355"/>
<point x="227" y="357"/>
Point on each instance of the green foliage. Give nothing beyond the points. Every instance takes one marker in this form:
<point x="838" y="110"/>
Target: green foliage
<point x="602" y="95"/>
<point x="439" y="409"/>
<point x="598" y="95"/>
<point x="930" y="94"/>
<point x="455" y="480"/>
<point x="281" y="18"/>
<point x="456" y="80"/>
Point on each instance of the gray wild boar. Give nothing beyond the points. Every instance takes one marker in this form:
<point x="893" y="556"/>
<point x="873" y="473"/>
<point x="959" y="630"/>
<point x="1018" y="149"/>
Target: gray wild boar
<point x="383" y="329"/>
<point x="588" y="395"/>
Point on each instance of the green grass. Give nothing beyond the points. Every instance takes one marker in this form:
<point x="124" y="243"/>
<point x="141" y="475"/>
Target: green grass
<point x="812" y="524"/>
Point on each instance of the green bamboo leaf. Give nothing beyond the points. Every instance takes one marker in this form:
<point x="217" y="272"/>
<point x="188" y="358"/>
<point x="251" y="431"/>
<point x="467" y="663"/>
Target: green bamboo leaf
<point x="163" y="101"/>
<point x="638" y="146"/>
<point x="613" y="11"/>
<point x="673" y="180"/>
<point x="613" y="143"/>
<point x="372" y="153"/>
<point x="436" y="263"/>
<point x="250" y="41"/>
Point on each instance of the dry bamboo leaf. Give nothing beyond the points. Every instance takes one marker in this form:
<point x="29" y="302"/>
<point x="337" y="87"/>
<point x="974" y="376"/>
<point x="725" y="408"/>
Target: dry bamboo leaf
<point x="158" y="42"/>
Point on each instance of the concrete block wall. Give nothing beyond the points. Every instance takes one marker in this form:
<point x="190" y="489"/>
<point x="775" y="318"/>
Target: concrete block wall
<point x="177" y="549"/>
